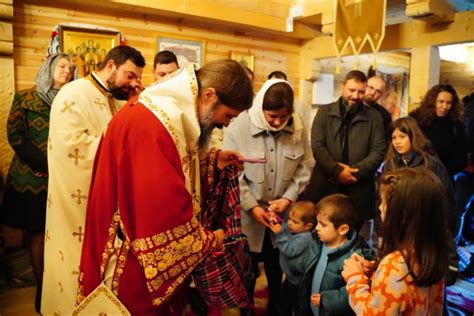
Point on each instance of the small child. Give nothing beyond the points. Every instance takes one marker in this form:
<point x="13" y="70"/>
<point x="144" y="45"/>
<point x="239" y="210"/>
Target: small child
<point x="292" y="239"/>
<point x="323" y="290"/>
<point x="407" y="279"/>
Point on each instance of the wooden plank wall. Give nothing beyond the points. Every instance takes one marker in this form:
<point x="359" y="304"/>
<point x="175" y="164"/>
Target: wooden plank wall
<point x="34" y="21"/>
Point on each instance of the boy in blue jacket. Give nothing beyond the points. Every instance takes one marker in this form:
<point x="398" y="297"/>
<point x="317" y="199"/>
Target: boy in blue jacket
<point x="322" y="289"/>
<point x="292" y="240"/>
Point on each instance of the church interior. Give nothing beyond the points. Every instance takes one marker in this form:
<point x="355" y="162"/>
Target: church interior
<point x="423" y="43"/>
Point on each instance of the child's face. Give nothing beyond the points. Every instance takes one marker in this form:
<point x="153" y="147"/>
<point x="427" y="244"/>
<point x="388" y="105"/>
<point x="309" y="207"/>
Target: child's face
<point x="383" y="203"/>
<point x="296" y="225"/>
<point x="401" y="142"/>
<point x="326" y="231"/>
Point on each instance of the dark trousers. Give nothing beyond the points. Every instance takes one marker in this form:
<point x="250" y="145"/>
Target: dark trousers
<point x="288" y="296"/>
<point x="269" y="256"/>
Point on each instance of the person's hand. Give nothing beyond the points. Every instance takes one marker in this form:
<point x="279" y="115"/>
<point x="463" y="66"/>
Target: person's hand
<point x="316" y="299"/>
<point x="351" y="267"/>
<point x="278" y="205"/>
<point x="261" y="216"/>
<point x="229" y="157"/>
<point x="276" y="228"/>
<point x="346" y="177"/>
<point x="219" y="234"/>
<point x="366" y="264"/>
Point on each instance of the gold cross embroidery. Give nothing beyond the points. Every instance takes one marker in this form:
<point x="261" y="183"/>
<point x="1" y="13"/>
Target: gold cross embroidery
<point x="50" y="201"/>
<point x="78" y="196"/>
<point x="357" y="6"/>
<point x="76" y="156"/>
<point x="67" y="106"/>
<point x="79" y="234"/>
<point x="101" y="104"/>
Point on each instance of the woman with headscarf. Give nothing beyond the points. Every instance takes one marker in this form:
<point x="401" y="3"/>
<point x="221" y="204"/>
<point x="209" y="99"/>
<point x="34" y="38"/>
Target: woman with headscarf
<point x="277" y="166"/>
<point x="25" y="198"/>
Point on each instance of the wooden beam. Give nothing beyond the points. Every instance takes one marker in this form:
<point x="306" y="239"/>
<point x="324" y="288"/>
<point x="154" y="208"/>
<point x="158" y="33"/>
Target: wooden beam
<point x="403" y="36"/>
<point x="433" y="11"/>
<point x="205" y="10"/>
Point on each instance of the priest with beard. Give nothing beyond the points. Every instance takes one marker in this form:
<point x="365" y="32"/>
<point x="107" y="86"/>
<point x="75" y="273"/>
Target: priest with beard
<point x="143" y="235"/>
<point x="79" y="114"/>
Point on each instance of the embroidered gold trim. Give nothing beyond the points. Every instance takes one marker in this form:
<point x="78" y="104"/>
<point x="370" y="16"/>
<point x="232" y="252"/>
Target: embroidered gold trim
<point x="96" y="293"/>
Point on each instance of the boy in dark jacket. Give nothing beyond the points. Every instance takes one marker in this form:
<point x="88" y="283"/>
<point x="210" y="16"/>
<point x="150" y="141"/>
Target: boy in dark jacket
<point x="323" y="290"/>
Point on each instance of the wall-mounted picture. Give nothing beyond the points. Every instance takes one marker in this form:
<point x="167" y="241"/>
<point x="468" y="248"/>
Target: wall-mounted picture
<point x="244" y="58"/>
<point x="87" y="46"/>
<point x="186" y="50"/>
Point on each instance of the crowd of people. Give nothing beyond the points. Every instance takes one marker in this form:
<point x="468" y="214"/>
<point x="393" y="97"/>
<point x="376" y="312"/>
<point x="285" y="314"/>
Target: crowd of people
<point x="111" y="184"/>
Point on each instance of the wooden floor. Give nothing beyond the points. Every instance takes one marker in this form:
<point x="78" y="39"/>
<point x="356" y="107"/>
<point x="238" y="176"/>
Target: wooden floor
<point x="18" y="302"/>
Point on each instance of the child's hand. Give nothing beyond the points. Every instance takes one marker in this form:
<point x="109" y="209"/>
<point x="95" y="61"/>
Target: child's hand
<point x="316" y="299"/>
<point x="351" y="267"/>
<point x="276" y="228"/>
<point x="366" y="264"/>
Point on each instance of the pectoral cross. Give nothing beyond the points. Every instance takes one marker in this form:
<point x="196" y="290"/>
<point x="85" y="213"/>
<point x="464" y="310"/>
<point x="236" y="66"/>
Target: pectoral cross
<point x="76" y="156"/>
<point x="80" y="233"/>
<point x="357" y="8"/>
<point x="78" y="196"/>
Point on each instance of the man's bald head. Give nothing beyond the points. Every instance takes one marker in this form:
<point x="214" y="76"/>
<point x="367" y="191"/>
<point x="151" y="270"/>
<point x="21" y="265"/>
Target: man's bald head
<point x="375" y="90"/>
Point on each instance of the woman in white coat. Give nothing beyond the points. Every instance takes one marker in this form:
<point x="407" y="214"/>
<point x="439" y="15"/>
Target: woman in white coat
<point x="270" y="131"/>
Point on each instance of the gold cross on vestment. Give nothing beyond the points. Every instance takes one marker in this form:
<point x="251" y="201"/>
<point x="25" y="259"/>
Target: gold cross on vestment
<point x="67" y="106"/>
<point x="80" y="233"/>
<point x="78" y="196"/>
<point x="102" y="105"/>
<point x="49" y="201"/>
<point x="76" y="156"/>
<point x="357" y="6"/>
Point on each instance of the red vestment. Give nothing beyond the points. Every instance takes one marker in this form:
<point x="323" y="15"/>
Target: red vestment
<point x="138" y="194"/>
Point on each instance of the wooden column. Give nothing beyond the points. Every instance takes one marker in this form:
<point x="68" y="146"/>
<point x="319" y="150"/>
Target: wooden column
<point x="424" y="73"/>
<point x="7" y="79"/>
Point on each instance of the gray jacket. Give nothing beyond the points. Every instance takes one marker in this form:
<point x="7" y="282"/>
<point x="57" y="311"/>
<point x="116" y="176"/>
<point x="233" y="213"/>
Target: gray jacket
<point x="285" y="174"/>
<point x="366" y="140"/>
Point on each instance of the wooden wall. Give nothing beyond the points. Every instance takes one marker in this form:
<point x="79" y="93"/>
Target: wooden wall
<point x="34" y="21"/>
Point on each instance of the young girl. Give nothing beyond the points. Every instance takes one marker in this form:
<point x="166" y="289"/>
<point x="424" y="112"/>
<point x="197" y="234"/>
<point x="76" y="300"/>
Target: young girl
<point x="410" y="148"/>
<point x="407" y="279"/>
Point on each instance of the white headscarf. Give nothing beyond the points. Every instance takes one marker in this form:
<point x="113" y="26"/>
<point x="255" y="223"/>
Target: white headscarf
<point x="258" y="117"/>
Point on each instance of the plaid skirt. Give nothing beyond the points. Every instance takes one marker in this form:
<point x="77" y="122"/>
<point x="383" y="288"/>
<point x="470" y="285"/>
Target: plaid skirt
<point x="220" y="277"/>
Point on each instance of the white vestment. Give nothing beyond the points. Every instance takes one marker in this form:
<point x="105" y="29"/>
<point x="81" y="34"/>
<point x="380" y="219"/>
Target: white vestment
<point x="79" y="114"/>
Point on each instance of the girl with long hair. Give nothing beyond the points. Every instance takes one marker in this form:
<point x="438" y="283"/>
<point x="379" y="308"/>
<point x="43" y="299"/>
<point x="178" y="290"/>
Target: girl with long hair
<point x="407" y="277"/>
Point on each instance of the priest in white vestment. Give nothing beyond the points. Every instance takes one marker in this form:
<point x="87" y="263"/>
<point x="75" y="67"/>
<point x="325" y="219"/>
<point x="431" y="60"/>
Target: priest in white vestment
<point x="79" y="115"/>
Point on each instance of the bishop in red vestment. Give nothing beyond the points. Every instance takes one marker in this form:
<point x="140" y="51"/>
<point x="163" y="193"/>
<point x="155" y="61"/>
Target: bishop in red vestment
<point x="142" y="236"/>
